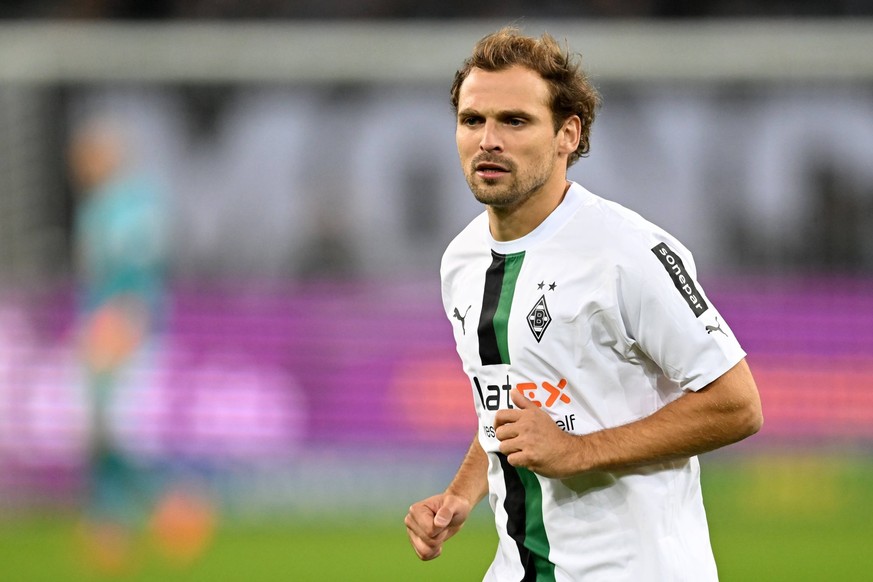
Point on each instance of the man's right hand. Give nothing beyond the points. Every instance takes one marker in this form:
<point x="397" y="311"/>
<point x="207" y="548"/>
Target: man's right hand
<point x="432" y="521"/>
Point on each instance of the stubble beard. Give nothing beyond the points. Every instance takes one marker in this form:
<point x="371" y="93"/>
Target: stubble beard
<point x="513" y="192"/>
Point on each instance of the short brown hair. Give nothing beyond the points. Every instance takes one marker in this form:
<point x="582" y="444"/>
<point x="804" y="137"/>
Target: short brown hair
<point x="572" y="93"/>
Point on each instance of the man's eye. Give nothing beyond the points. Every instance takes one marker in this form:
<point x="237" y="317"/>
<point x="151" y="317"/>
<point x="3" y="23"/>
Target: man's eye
<point x="516" y="122"/>
<point x="470" y="121"/>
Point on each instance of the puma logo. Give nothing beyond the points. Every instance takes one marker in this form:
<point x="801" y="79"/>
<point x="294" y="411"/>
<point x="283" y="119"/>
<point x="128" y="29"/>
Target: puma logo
<point x="462" y="319"/>
<point x="711" y="328"/>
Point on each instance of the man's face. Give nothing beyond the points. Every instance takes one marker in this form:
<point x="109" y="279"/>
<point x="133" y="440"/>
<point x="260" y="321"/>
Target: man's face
<point x="505" y="135"/>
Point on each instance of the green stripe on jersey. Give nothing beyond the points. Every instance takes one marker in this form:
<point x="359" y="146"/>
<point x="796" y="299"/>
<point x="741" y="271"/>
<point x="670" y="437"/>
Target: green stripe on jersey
<point x="507" y="291"/>
<point x="536" y="540"/>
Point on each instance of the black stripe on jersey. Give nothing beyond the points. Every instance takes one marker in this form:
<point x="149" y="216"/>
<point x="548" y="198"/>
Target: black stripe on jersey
<point x="488" y="350"/>
<point x="516" y="520"/>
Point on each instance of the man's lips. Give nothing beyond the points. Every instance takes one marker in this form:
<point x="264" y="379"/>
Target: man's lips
<point x="490" y="169"/>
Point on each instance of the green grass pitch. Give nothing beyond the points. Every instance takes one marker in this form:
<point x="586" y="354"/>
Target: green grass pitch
<point x="772" y="519"/>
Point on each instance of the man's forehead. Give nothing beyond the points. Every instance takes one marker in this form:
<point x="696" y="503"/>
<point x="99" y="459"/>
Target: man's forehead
<point x="513" y="88"/>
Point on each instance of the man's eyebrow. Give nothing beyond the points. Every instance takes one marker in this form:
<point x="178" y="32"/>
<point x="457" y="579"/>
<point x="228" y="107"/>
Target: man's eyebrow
<point x="503" y="114"/>
<point x="468" y="112"/>
<point x="515" y="113"/>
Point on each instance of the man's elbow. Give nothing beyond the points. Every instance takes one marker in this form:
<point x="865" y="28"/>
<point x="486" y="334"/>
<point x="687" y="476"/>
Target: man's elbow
<point x="750" y="418"/>
<point x="745" y="399"/>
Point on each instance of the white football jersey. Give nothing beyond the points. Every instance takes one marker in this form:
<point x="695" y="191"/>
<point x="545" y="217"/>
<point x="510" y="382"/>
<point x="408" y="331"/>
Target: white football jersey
<point x="596" y="316"/>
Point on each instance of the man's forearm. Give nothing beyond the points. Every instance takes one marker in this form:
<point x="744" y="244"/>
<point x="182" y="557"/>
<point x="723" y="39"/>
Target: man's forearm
<point x="726" y="411"/>
<point x="471" y="480"/>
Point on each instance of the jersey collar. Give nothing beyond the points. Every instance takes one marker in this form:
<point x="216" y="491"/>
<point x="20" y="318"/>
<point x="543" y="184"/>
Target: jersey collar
<point x="573" y="200"/>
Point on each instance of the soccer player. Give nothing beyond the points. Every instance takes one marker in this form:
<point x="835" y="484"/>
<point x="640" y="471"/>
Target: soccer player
<point x="599" y="368"/>
<point x="121" y="256"/>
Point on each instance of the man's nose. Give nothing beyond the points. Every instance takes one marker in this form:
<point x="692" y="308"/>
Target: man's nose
<point x="491" y="140"/>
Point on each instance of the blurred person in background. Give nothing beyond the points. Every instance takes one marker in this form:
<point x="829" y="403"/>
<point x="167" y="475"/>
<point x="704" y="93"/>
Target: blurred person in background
<point x="599" y="368"/>
<point x="119" y="251"/>
<point x="120" y="238"/>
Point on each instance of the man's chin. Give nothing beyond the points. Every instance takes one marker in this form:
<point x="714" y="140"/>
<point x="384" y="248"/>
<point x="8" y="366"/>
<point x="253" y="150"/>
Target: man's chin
<point x="494" y="199"/>
<point x="490" y="192"/>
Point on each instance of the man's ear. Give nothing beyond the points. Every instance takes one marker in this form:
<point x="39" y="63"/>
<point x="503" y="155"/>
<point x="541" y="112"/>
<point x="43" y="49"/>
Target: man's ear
<point x="569" y="135"/>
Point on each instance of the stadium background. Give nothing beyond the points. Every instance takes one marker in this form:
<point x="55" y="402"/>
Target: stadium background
<point x="306" y="378"/>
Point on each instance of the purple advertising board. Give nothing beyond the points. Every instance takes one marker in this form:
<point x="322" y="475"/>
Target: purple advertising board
<point x="247" y="373"/>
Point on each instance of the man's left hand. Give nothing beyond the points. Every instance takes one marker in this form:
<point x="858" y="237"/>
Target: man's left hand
<point x="530" y="438"/>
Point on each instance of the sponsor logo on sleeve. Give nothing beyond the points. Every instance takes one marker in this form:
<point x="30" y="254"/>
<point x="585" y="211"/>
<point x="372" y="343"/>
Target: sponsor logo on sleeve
<point x="681" y="278"/>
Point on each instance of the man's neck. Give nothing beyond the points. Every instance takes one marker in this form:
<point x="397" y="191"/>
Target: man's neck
<point x="512" y="223"/>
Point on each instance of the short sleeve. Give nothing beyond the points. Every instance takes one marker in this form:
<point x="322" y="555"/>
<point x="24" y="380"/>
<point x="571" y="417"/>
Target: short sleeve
<point x="668" y="316"/>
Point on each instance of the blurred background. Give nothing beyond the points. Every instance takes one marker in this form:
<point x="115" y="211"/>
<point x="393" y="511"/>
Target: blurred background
<point x="222" y="348"/>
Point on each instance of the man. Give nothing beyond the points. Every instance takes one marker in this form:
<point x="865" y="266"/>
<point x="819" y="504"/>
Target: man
<point x="121" y="252"/>
<point x="599" y="368"/>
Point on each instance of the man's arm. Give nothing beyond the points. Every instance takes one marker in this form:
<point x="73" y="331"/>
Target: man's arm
<point x="430" y="522"/>
<point x="725" y="411"/>
<point x="471" y="480"/>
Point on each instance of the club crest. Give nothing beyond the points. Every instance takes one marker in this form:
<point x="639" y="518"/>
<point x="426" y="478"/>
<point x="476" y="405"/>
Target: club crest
<point x="539" y="319"/>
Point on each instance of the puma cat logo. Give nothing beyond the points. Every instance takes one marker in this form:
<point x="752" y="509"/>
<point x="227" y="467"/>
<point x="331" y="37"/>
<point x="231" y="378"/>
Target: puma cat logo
<point x="461" y="318"/>
<point x="711" y="328"/>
